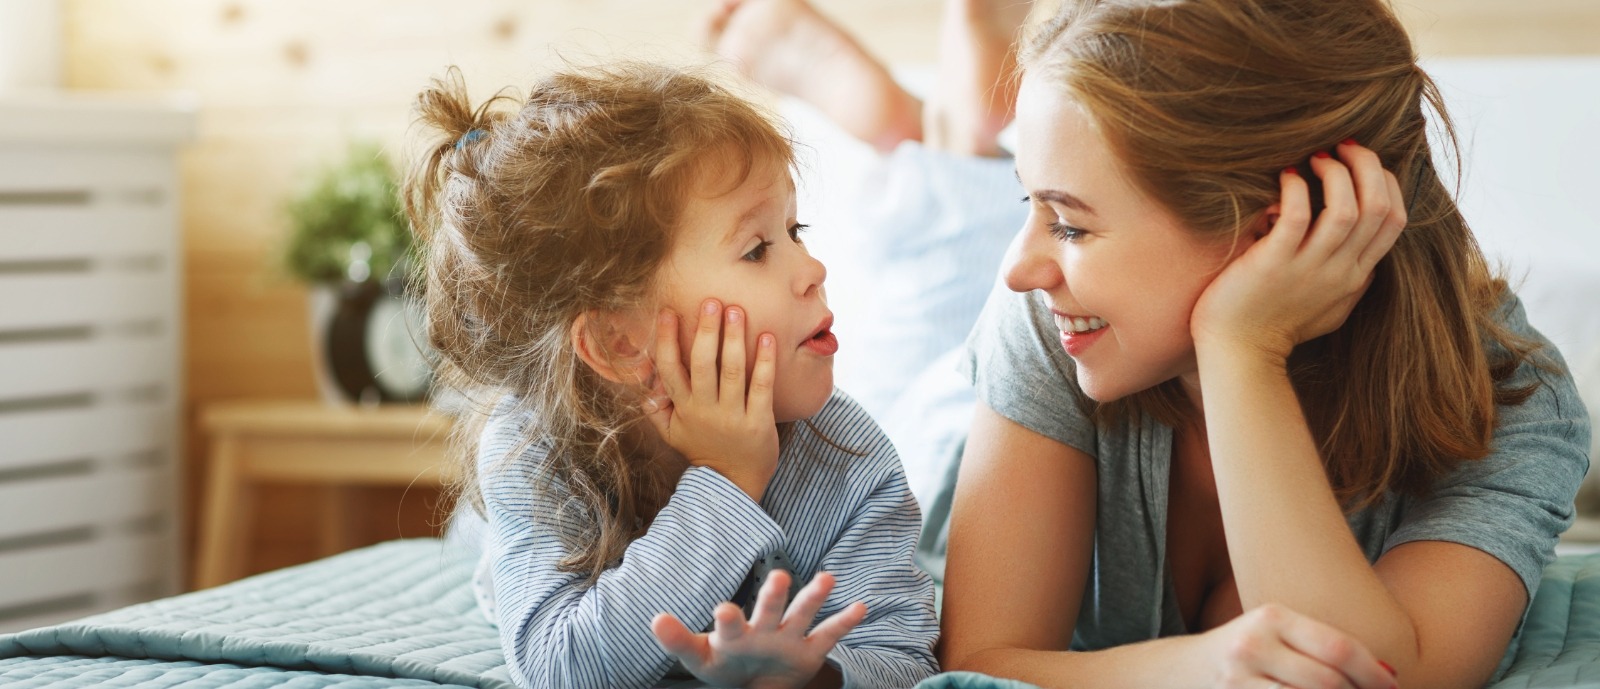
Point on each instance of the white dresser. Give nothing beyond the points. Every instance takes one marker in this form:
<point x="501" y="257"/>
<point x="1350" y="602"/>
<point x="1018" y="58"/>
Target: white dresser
<point x="91" y="333"/>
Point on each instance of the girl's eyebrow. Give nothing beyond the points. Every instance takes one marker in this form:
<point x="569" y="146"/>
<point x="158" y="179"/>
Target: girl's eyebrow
<point x="738" y="225"/>
<point x="1061" y="197"/>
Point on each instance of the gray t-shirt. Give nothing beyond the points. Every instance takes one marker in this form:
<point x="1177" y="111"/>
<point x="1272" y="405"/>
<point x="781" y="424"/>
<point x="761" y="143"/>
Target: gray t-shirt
<point x="1512" y="504"/>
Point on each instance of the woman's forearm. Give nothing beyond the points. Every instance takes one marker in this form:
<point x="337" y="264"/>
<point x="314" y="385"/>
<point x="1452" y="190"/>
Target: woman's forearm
<point x="1288" y="540"/>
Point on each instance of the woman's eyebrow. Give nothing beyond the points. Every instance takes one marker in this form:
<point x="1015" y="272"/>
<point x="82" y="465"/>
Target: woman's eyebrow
<point x="1061" y="197"/>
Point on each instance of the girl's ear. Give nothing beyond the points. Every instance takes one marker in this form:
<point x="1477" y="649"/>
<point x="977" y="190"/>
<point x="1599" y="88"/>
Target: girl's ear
<point x="613" y="345"/>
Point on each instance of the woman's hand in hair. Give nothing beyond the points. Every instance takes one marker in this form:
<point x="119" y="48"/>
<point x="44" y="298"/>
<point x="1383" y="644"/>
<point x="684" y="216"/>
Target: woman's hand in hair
<point x="773" y="650"/>
<point x="1273" y="646"/>
<point x="707" y="412"/>
<point x="1304" y="276"/>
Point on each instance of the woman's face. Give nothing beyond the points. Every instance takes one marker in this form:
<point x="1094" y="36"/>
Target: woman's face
<point x="1099" y="248"/>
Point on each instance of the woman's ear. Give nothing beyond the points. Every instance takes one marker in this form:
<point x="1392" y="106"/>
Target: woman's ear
<point x="1264" y="223"/>
<point x="613" y="345"/>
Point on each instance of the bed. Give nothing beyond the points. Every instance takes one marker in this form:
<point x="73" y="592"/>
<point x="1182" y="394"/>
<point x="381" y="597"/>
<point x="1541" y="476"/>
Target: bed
<point x="402" y="614"/>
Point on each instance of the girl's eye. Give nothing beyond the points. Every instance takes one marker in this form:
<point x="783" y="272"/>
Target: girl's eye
<point x="1065" y="233"/>
<point x="795" y="230"/>
<point x="759" y="253"/>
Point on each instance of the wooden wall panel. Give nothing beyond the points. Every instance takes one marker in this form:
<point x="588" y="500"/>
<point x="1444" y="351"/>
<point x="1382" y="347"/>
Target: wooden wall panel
<point x="284" y="83"/>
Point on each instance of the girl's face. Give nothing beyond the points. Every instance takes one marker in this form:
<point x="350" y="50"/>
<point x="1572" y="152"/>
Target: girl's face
<point x="743" y="249"/>
<point x="1100" y="248"/>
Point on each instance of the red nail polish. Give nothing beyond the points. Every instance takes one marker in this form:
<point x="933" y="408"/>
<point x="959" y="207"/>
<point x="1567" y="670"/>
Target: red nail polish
<point x="1350" y="142"/>
<point x="1322" y="154"/>
<point x="1290" y="171"/>
<point x="1390" y="668"/>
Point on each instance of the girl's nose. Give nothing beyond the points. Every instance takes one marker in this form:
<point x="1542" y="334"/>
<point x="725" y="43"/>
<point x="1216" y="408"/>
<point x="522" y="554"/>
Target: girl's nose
<point x="1029" y="263"/>
<point x="812" y="275"/>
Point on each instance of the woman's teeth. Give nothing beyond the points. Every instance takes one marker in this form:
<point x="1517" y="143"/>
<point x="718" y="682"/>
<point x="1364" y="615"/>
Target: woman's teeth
<point x="1079" y="325"/>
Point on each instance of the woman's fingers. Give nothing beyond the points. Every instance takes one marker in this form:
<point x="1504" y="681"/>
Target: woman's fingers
<point x="1290" y="668"/>
<point x="732" y="386"/>
<point x="1372" y="196"/>
<point x="693" y="649"/>
<point x="828" y="632"/>
<point x="1330" y="647"/>
<point x="1340" y="211"/>
<point x="770" y="601"/>
<point x="808" y="602"/>
<point x="703" y="358"/>
<point x="1393" y="226"/>
<point x="1294" y="214"/>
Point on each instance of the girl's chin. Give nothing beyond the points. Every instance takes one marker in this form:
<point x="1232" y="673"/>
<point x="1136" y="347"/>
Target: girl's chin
<point x="795" y="408"/>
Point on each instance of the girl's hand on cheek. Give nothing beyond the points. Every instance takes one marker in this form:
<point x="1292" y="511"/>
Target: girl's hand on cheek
<point x="1302" y="280"/>
<point x="707" y="414"/>
<point x="772" y="650"/>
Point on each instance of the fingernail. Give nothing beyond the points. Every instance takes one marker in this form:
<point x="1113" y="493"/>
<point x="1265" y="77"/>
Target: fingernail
<point x="1322" y="154"/>
<point x="1290" y="171"/>
<point x="766" y="340"/>
<point x="710" y="306"/>
<point x="666" y="318"/>
<point x="734" y="315"/>
<point x="1390" y="668"/>
<point x="1350" y="142"/>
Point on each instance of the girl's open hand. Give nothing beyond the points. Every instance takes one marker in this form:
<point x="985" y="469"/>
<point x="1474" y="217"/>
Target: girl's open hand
<point x="1302" y="280"/>
<point x="772" y="650"/>
<point x="1273" y="646"/>
<point x="705" y="413"/>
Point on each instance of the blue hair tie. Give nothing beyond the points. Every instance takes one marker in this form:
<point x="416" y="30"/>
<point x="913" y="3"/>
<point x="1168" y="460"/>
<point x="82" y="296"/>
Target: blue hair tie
<point x="470" y="137"/>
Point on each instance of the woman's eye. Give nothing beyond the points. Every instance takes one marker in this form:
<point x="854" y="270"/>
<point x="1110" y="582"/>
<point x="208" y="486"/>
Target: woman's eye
<point x="1065" y="233"/>
<point x="796" y="229"/>
<point x="759" y="253"/>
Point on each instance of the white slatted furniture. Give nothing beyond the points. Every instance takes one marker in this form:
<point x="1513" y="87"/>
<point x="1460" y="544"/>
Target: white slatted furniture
<point x="90" y="336"/>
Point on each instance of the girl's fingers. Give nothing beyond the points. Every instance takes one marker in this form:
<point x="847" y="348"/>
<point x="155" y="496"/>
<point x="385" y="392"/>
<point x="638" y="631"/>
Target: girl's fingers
<point x="1372" y="195"/>
<point x="828" y="632"/>
<point x="732" y="393"/>
<point x="808" y="602"/>
<point x="760" y="398"/>
<point x="703" y="358"/>
<point x="1330" y="647"/>
<point x="1340" y="212"/>
<point x="1393" y="226"/>
<point x="693" y="649"/>
<point x="669" y="361"/>
<point x="1294" y="214"/>
<point x="770" y="600"/>
<point x="729" y="621"/>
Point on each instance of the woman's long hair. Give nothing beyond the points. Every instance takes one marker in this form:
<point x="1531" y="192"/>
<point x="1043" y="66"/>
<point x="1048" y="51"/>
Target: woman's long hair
<point x="1204" y="102"/>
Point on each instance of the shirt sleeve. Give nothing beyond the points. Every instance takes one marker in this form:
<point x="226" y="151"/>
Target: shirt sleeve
<point x="1019" y="369"/>
<point x="1515" y="503"/>
<point x="560" y="631"/>
<point x="872" y="563"/>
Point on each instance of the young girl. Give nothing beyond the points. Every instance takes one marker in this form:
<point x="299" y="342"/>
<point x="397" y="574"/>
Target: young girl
<point x="560" y="241"/>
<point x="1271" y="418"/>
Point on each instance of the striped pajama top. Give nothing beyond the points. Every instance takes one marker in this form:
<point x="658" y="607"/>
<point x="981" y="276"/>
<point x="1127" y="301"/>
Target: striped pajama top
<point x="825" y="510"/>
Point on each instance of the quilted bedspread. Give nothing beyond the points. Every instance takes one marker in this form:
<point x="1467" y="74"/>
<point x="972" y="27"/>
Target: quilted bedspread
<point x="401" y="614"/>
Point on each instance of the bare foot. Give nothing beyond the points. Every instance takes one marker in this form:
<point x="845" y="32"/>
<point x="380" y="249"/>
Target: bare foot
<point x="788" y="46"/>
<point x="977" y="92"/>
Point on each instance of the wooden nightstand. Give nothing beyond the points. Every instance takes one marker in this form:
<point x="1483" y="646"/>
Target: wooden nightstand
<point x="311" y="442"/>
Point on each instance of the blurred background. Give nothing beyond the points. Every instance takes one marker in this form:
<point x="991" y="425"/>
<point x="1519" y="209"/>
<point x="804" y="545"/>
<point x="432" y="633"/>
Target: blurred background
<point x="191" y="229"/>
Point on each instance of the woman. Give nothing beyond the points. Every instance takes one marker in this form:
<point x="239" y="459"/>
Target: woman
<point x="1260" y="415"/>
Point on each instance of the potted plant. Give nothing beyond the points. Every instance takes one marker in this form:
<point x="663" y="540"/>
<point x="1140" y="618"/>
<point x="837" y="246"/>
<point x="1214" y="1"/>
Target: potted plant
<point x="350" y="242"/>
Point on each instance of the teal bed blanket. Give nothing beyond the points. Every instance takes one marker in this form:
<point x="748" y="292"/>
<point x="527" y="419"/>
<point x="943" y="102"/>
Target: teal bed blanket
<point x="401" y="614"/>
